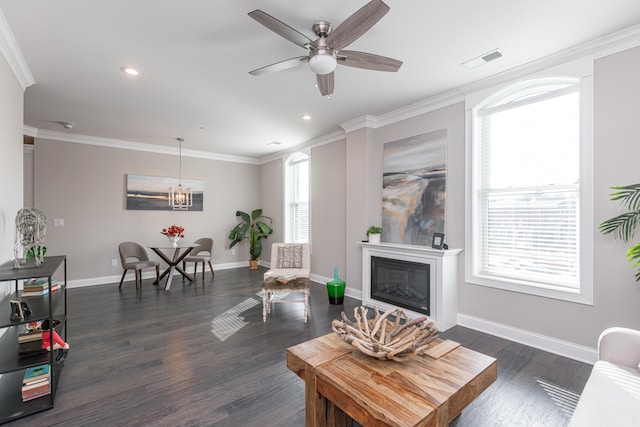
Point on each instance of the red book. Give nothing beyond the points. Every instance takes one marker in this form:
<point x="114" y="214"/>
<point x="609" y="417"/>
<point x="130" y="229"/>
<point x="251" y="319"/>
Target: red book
<point x="33" y="393"/>
<point x="35" y="396"/>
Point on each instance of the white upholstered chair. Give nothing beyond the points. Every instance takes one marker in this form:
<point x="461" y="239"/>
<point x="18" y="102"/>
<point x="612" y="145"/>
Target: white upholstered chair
<point x="282" y="261"/>
<point x="287" y="258"/>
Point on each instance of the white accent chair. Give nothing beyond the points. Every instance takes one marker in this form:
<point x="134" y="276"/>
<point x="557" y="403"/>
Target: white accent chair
<point x="611" y="396"/>
<point x="283" y="255"/>
<point x="303" y="271"/>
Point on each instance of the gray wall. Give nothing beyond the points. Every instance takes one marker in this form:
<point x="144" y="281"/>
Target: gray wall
<point x="328" y="200"/>
<point x="271" y="201"/>
<point x="11" y="170"/>
<point x="85" y="186"/>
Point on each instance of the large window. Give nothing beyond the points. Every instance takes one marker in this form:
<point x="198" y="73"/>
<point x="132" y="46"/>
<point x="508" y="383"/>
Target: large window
<point x="297" y="198"/>
<point x="530" y="189"/>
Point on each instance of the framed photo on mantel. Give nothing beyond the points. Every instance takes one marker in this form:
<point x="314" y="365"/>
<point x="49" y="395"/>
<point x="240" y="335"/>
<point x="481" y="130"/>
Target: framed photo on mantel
<point x="438" y="241"/>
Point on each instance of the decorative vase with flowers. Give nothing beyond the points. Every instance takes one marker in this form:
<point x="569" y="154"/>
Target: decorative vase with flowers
<point x="174" y="233"/>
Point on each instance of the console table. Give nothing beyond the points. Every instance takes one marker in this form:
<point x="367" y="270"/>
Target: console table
<point x="342" y="384"/>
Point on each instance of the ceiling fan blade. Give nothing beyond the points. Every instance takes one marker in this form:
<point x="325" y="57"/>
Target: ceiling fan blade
<point x="369" y="61"/>
<point x="325" y="83"/>
<point x="279" y="66"/>
<point x="281" y="28"/>
<point x="357" y="24"/>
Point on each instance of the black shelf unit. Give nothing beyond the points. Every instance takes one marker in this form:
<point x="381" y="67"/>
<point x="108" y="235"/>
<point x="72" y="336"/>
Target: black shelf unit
<point x="12" y="365"/>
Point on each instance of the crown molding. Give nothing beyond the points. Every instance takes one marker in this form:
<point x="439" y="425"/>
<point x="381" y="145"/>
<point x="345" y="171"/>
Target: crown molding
<point x="617" y="42"/>
<point x="13" y="55"/>
<point x="366" y="121"/>
<point x="312" y="143"/>
<point x="597" y="48"/>
<point x="139" y="146"/>
<point x="30" y="131"/>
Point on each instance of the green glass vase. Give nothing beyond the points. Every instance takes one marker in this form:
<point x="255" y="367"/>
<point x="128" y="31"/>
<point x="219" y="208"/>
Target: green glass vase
<point x="335" y="288"/>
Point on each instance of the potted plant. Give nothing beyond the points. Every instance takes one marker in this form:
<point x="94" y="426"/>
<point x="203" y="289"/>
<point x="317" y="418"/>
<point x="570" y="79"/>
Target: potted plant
<point x="253" y="228"/>
<point x="624" y="225"/>
<point x="373" y="233"/>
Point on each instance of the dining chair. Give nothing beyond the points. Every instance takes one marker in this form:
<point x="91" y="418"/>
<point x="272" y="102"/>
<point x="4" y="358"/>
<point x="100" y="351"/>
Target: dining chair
<point x="201" y="253"/>
<point x="133" y="256"/>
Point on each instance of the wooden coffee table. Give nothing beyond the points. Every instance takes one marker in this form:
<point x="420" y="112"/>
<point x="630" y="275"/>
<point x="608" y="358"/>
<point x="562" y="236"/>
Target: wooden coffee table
<point x="342" y="384"/>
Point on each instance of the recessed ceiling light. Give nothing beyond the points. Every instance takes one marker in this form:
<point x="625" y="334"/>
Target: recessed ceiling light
<point x="130" y="70"/>
<point x="306" y="117"/>
<point x="483" y="59"/>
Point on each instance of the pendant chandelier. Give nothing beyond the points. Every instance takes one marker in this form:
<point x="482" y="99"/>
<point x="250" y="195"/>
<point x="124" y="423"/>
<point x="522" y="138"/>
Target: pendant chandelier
<point x="180" y="199"/>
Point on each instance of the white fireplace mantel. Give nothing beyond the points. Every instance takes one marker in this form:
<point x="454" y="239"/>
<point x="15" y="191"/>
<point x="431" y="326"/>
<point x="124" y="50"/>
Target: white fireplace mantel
<point x="443" y="278"/>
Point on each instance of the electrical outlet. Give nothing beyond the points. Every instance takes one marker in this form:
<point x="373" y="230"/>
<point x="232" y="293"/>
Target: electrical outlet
<point x="114" y="263"/>
<point x="233" y="251"/>
<point x="58" y="222"/>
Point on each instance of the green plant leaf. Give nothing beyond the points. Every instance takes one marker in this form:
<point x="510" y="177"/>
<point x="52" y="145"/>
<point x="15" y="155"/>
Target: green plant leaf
<point x="264" y="228"/>
<point x="257" y="213"/>
<point x="622" y="226"/>
<point x="633" y="256"/>
<point x="244" y="215"/>
<point x="629" y="196"/>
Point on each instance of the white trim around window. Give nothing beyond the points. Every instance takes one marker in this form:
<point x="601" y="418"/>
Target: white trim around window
<point x="576" y="76"/>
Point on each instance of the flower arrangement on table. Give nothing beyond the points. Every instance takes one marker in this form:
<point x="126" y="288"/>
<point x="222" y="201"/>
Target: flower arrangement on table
<point x="174" y="233"/>
<point x="174" y="230"/>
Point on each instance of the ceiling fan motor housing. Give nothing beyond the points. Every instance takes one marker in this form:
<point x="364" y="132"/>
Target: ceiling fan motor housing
<point x="322" y="59"/>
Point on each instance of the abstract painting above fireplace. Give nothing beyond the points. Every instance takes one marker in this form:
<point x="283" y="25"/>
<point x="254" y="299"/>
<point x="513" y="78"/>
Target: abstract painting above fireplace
<point x="414" y="188"/>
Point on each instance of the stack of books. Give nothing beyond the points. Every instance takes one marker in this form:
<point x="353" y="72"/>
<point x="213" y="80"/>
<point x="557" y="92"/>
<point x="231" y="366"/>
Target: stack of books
<point x="36" y="382"/>
<point x="31" y="331"/>
<point x="38" y="287"/>
<point x="286" y="278"/>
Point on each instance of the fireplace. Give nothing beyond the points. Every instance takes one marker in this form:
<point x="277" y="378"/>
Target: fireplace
<point x="401" y="283"/>
<point x="419" y="280"/>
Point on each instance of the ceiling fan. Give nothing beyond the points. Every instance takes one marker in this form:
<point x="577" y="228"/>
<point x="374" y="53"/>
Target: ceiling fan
<point x="327" y="50"/>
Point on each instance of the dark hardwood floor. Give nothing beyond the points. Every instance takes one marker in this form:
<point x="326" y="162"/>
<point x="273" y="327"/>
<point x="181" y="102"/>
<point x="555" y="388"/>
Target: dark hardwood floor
<point x="200" y="355"/>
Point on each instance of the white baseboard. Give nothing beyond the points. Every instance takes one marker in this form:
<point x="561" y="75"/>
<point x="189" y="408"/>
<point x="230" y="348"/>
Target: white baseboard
<point x="147" y="274"/>
<point x="542" y="342"/>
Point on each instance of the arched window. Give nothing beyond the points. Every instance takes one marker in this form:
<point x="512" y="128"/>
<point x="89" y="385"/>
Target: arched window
<point x="530" y="189"/>
<point x="297" y="198"/>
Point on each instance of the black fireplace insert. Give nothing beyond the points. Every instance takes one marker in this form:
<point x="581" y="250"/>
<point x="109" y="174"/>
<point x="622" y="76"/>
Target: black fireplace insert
<point x="401" y="283"/>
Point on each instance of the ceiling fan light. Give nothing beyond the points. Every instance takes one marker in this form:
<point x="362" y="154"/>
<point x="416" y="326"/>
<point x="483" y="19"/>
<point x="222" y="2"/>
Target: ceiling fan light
<point x="322" y="63"/>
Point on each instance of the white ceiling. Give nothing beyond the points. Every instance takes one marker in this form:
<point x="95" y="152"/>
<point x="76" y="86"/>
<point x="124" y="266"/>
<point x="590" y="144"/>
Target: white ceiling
<point x="195" y="55"/>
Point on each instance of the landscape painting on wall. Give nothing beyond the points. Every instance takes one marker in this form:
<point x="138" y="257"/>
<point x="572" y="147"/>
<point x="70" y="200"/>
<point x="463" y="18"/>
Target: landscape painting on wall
<point x="152" y="192"/>
<point x="414" y="188"/>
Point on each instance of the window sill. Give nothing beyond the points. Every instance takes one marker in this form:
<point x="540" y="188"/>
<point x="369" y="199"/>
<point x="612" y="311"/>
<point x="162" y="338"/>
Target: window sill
<point x="546" y="291"/>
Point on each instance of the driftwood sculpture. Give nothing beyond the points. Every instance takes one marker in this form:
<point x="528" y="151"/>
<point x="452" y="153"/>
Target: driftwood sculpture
<point x="31" y="227"/>
<point x="399" y="339"/>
